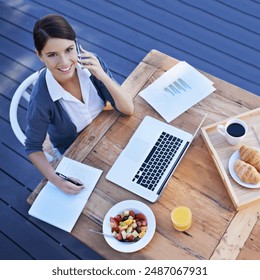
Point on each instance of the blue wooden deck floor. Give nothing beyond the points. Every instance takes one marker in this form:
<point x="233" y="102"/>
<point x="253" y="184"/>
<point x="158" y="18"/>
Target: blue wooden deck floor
<point x="221" y="37"/>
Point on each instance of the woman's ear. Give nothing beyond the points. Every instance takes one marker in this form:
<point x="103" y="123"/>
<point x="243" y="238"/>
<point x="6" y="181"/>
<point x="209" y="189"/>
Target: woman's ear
<point x="38" y="54"/>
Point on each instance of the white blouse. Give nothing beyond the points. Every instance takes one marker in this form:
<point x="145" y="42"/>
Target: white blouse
<point x="81" y="114"/>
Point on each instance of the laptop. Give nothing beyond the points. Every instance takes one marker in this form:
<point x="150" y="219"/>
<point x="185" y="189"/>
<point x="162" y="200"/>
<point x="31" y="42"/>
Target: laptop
<point x="146" y="164"/>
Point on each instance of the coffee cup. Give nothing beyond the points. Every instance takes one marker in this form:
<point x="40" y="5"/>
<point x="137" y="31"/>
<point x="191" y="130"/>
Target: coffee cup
<point x="234" y="131"/>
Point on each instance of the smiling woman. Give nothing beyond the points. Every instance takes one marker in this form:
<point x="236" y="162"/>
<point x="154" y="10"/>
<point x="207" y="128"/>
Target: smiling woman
<point x="67" y="96"/>
<point x="60" y="57"/>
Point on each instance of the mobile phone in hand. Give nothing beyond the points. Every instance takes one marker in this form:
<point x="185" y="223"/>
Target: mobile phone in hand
<point x="79" y="52"/>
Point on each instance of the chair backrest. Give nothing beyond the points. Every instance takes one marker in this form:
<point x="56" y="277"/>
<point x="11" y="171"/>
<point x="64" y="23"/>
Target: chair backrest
<point x="22" y="92"/>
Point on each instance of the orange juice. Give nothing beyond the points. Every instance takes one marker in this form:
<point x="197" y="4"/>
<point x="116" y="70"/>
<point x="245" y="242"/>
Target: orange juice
<point x="181" y="218"/>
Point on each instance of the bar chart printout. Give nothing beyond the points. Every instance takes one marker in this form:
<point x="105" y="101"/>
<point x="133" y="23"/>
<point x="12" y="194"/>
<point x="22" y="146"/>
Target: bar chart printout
<point x="177" y="90"/>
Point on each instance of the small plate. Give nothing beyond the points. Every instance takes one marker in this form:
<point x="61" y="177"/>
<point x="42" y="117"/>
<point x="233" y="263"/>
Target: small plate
<point x="233" y="174"/>
<point x="137" y="207"/>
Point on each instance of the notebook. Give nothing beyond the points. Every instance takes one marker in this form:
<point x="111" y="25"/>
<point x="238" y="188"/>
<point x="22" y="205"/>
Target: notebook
<point x="62" y="210"/>
<point x="150" y="157"/>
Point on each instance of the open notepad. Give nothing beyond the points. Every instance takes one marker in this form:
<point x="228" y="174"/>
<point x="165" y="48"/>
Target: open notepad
<point x="177" y="90"/>
<point x="59" y="209"/>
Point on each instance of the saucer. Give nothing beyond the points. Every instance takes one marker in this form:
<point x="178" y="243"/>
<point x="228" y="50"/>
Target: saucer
<point x="235" y="156"/>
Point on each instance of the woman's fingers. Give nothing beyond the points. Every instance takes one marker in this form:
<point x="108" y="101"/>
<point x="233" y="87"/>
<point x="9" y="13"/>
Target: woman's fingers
<point x="77" y="181"/>
<point x="71" y="188"/>
<point x="89" y="61"/>
<point x="87" y="58"/>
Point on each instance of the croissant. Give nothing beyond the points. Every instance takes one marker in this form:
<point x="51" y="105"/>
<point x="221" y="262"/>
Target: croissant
<point x="250" y="155"/>
<point x="246" y="172"/>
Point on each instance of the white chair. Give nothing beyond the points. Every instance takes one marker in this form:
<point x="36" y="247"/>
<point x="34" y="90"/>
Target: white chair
<point x="22" y="92"/>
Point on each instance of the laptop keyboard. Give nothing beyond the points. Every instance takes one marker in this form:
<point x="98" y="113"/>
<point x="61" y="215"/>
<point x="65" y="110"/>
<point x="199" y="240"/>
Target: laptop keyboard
<point x="157" y="161"/>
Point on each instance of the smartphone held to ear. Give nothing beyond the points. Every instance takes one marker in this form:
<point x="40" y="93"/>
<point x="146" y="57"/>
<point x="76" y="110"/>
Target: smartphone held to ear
<point x="79" y="52"/>
<point x="78" y="47"/>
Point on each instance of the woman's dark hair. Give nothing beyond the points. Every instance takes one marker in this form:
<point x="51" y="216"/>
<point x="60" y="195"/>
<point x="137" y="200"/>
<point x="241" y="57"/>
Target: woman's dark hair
<point x="51" y="26"/>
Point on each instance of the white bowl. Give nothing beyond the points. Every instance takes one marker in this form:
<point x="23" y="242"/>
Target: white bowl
<point x="137" y="207"/>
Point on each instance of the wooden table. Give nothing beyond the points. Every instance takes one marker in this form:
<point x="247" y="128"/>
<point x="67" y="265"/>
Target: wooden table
<point x="218" y="230"/>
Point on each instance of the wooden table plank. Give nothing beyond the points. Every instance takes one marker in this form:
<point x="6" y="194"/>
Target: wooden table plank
<point x="251" y="248"/>
<point x="237" y="234"/>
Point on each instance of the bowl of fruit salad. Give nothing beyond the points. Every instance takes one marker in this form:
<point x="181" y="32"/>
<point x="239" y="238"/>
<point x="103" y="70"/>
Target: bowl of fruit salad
<point x="129" y="226"/>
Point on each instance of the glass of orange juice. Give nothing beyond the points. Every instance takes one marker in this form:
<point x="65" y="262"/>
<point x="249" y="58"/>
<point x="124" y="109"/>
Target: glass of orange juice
<point x="181" y="218"/>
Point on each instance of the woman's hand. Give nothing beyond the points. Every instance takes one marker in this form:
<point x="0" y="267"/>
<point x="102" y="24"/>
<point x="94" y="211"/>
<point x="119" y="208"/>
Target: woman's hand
<point x="40" y="162"/>
<point x="123" y="100"/>
<point x="90" y="62"/>
<point x="68" y="187"/>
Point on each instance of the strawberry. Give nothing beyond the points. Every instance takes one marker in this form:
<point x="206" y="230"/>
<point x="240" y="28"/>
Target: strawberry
<point x="130" y="238"/>
<point x="140" y="216"/>
<point x="118" y="218"/>
<point x="132" y="213"/>
<point x="115" y="229"/>
<point x="119" y="237"/>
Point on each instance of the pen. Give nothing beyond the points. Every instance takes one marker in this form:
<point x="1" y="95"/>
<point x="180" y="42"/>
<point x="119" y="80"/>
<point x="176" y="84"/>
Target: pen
<point x="68" y="179"/>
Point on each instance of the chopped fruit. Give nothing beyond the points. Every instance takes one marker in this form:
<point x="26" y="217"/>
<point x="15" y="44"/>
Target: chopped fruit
<point x="135" y="233"/>
<point x="128" y="222"/>
<point x="141" y="234"/>
<point x="128" y="226"/>
<point x="123" y="232"/>
<point x="113" y="223"/>
<point x="134" y="225"/>
<point x="129" y="229"/>
<point x="126" y="213"/>
<point x="119" y="236"/>
<point x="130" y="238"/>
<point x="143" y="228"/>
<point x="132" y="213"/>
<point x="121" y="228"/>
<point x="139" y="223"/>
<point x="140" y="216"/>
<point x="115" y="229"/>
<point x="118" y="218"/>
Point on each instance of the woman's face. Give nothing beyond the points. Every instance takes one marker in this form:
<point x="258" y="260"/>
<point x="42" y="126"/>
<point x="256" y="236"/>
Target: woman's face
<point x="60" y="57"/>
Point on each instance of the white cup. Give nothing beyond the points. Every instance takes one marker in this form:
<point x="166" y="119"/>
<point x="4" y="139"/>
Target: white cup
<point x="234" y="131"/>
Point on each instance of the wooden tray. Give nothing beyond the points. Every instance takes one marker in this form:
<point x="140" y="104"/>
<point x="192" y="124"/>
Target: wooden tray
<point x="221" y="151"/>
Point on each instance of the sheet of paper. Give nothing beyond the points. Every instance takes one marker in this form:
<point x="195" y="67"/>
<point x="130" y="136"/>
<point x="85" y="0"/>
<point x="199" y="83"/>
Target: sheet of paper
<point x="177" y="90"/>
<point x="62" y="210"/>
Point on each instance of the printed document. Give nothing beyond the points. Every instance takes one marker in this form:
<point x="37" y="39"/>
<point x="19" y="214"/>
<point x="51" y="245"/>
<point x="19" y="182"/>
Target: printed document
<point x="62" y="210"/>
<point x="177" y="90"/>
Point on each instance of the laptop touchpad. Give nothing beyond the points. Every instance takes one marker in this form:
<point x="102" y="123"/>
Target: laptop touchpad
<point x="136" y="149"/>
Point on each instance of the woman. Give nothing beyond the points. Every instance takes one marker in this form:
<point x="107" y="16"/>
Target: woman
<point x="67" y="95"/>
